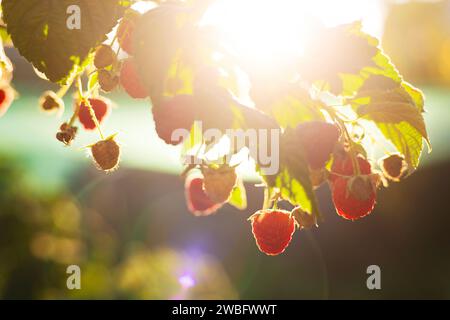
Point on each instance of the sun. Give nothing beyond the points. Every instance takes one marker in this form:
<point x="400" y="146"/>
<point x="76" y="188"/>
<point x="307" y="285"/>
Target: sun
<point x="264" y="30"/>
<point x="258" y="29"/>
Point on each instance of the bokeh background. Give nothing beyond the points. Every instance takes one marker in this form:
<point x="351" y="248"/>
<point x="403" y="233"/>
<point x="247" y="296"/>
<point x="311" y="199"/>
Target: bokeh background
<point x="132" y="236"/>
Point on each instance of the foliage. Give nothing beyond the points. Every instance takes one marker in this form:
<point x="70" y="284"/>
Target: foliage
<point x="170" y="53"/>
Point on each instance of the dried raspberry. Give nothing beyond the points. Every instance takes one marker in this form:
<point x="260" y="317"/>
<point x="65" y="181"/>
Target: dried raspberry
<point x="125" y="32"/>
<point x="175" y="113"/>
<point x="129" y="79"/>
<point x="197" y="201"/>
<point x="318" y="140"/>
<point x="108" y="81"/>
<point x="394" y="167"/>
<point x="66" y="133"/>
<point x="106" y="154"/>
<point x="219" y="182"/>
<point x="101" y="107"/>
<point x="273" y="230"/>
<point x="51" y="102"/>
<point x="354" y="197"/>
<point x="104" y="56"/>
<point x="304" y="219"/>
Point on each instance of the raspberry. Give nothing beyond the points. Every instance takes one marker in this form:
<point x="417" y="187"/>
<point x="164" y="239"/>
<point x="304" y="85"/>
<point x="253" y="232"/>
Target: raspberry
<point x="129" y="79"/>
<point x="106" y="154"/>
<point x="354" y="197"/>
<point x="219" y="182"/>
<point x="318" y="140"/>
<point x="273" y="230"/>
<point x="197" y="201"/>
<point x="108" y="82"/>
<point x="66" y="133"/>
<point x="50" y="102"/>
<point x="125" y="31"/>
<point x="394" y="167"/>
<point x="104" y="56"/>
<point x="343" y="166"/>
<point x="101" y="109"/>
<point x="175" y="113"/>
<point x="7" y="95"/>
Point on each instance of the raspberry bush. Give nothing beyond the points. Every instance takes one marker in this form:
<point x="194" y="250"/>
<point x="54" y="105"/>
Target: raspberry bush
<point x="334" y="106"/>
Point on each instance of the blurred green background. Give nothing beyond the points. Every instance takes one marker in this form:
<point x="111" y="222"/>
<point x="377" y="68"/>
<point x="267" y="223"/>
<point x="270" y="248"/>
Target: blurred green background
<point x="132" y="236"/>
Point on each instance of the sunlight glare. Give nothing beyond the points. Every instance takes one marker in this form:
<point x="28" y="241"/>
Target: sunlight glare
<point x="267" y="29"/>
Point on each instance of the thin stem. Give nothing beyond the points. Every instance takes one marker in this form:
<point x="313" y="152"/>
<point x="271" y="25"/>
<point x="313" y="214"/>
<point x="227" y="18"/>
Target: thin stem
<point x="341" y="123"/>
<point x="91" y="110"/>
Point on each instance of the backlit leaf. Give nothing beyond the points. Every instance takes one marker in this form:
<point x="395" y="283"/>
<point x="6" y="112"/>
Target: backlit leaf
<point x="39" y="31"/>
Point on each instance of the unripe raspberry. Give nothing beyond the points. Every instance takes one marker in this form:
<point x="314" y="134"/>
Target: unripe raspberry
<point x="106" y="154"/>
<point x="51" y="102"/>
<point x="273" y="230"/>
<point x="129" y="80"/>
<point x="101" y="107"/>
<point x="198" y="202"/>
<point x="394" y="167"/>
<point x="107" y="81"/>
<point x="219" y="182"/>
<point x="104" y="56"/>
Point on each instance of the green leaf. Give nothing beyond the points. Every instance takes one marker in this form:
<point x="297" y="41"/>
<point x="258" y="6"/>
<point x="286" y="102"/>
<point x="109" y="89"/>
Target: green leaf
<point x="93" y="81"/>
<point x="291" y="106"/>
<point x="238" y="197"/>
<point x="295" y="189"/>
<point x="293" y="180"/>
<point x="396" y="108"/>
<point x="4" y="35"/>
<point x="170" y="48"/>
<point x="337" y="53"/>
<point x="39" y="31"/>
<point x="343" y="58"/>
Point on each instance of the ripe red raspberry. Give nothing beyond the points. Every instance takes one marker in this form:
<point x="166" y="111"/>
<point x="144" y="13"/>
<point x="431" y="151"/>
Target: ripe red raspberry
<point x="219" y="182"/>
<point x="101" y="108"/>
<point x="353" y="197"/>
<point x="175" y="113"/>
<point x="7" y="95"/>
<point x="106" y="154"/>
<point x="104" y="56"/>
<point x="343" y="166"/>
<point x="197" y="201"/>
<point x="129" y="80"/>
<point x="125" y="31"/>
<point x="273" y="230"/>
<point x="394" y="167"/>
<point x="318" y="140"/>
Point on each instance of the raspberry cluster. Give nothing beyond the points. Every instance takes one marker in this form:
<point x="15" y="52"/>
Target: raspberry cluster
<point x="169" y="58"/>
